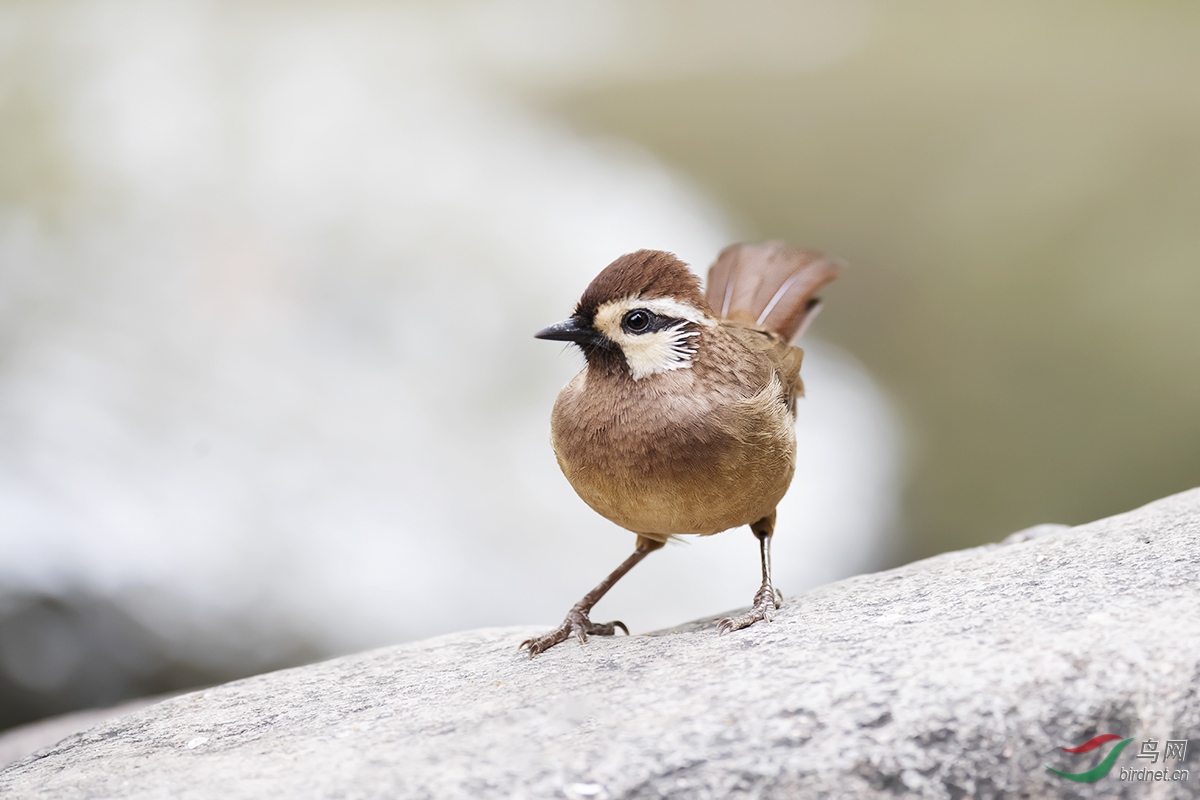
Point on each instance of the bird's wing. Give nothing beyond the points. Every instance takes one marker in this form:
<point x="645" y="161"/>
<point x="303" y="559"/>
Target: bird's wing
<point x="782" y="359"/>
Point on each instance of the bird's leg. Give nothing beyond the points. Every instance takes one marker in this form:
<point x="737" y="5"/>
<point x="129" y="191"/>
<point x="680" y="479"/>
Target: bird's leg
<point x="767" y="598"/>
<point x="577" y="621"/>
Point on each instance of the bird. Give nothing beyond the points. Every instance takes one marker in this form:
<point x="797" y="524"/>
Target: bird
<point x="682" y="420"/>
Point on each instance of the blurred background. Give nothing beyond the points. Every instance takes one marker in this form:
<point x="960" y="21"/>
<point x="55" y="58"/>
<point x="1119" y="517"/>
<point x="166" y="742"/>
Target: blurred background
<point x="269" y="273"/>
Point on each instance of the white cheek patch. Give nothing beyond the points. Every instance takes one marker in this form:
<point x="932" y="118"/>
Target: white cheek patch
<point x="660" y="351"/>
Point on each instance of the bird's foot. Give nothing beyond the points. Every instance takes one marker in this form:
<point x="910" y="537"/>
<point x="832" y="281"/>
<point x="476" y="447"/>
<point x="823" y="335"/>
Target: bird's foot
<point x="577" y="622"/>
<point x="766" y="600"/>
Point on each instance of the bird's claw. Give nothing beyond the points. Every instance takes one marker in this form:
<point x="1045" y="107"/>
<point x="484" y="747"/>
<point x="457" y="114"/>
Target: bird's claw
<point x="766" y="600"/>
<point x="577" y="622"/>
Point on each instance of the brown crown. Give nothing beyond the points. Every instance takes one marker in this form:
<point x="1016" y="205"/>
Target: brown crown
<point x="646" y="273"/>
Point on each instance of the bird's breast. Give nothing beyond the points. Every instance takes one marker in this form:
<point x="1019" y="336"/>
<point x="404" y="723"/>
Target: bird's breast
<point x="669" y="455"/>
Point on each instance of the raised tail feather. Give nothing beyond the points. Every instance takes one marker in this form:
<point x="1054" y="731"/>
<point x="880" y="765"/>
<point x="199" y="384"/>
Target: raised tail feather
<point x="769" y="286"/>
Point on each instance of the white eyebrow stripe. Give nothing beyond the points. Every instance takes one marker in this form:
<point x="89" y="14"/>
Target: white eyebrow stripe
<point x="666" y="307"/>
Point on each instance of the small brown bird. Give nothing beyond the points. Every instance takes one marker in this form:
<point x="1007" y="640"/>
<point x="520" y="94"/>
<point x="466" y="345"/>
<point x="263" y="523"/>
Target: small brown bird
<point x="683" y="419"/>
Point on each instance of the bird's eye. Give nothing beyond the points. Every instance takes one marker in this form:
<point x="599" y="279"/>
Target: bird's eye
<point x="636" y="321"/>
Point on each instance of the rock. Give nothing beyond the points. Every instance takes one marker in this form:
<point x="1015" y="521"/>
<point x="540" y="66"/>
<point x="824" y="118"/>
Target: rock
<point x="957" y="676"/>
<point x="18" y="742"/>
<point x="1027" y="534"/>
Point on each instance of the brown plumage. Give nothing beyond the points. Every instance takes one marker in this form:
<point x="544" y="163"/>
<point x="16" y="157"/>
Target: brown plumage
<point x="682" y="421"/>
<point x="646" y="273"/>
<point x="769" y="286"/>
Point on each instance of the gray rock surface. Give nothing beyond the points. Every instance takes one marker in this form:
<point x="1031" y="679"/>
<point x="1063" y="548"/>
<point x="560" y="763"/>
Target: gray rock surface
<point x="957" y="676"/>
<point x="18" y="742"/>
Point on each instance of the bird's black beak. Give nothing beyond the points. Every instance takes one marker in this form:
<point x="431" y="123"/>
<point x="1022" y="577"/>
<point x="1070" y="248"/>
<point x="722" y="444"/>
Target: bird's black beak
<point x="571" y="329"/>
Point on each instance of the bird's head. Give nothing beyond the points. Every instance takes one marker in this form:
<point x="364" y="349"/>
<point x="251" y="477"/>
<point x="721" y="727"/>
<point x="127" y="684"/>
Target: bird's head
<point x="642" y="315"/>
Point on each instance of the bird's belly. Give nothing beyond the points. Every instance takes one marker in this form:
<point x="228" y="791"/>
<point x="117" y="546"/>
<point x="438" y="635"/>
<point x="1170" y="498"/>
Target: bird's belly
<point x="659" y="509"/>
<point x="667" y="476"/>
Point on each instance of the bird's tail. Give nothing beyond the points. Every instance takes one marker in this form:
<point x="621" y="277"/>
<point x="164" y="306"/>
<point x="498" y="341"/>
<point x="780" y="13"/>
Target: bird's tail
<point x="769" y="286"/>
